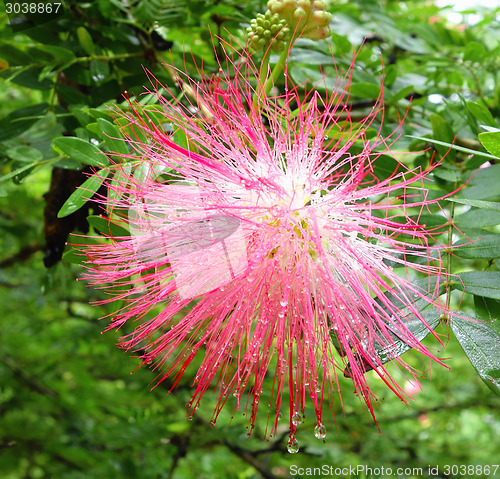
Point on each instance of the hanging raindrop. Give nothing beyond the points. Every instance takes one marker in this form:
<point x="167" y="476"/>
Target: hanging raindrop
<point x="320" y="431"/>
<point x="293" y="446"/>
<point x="296" y="418"/>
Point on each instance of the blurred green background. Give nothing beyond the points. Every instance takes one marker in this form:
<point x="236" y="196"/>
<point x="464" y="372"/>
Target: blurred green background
<point x="69" y="407"/>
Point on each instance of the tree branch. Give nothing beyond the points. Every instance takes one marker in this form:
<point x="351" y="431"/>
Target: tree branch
<point x="465" y="405"/>
<point x="26" y="378"/>
<point x="22" y="255"/>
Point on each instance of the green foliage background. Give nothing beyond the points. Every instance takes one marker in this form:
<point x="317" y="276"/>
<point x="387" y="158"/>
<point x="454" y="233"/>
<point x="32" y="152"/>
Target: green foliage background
<point x="68" y="406"/>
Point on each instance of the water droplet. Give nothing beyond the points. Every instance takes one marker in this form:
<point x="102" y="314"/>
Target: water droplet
<point x="296" y="418"/>
<point x="320" y="431"/>
<point x="284" y="302"/>
<point x="293" y="446"/>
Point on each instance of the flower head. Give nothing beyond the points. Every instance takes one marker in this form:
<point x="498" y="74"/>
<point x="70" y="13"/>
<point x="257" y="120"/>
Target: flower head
<point x="263" y="247"/>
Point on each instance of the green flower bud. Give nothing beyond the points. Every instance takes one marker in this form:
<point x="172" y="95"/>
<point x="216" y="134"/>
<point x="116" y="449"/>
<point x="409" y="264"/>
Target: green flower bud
<point x="305" y="4"/>
<point x="268" y="30"/>
<point x="300" y="14"/>
<point x="309" y="18"/>
<point x="319" y="5"/>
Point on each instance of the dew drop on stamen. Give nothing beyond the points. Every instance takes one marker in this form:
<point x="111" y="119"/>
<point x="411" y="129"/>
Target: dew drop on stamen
<point x="284" y="302"/>
<point x="320" y="431"/>
<point x="293" y="446"/>
<point x="296" y="418"/>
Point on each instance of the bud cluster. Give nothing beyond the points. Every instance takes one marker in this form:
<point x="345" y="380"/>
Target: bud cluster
<point x="268" y="29"/>
<point x="307" y="17"/>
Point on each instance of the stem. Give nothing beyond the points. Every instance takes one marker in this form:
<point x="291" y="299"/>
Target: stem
<point x="263" y="91"/>
<point x="105" y="58"/>
<point x="277" y="69"/>
<point x="262" y="74"/>
<point x="264" y="66"/>
<point x="448" y="266"/>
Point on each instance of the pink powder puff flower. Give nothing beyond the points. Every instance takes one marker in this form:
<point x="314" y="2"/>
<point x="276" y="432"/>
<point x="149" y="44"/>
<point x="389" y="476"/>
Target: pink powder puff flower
<point x="262" y="250"/>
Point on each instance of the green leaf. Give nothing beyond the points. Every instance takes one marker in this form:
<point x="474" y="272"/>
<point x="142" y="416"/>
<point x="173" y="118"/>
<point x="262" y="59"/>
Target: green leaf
<point x="474" y="51"/>
<point x="365" y="90"/>
<point x="310" y="57"/>
<point x="59" y="53"/>
<point x="112" y="137"/>
<point x="147" y="10"/>
<point x="18" y="172"/>
<point x="486" y="248"/>
<point x="99" y="71"/>
<point x="487" y="205"/>
<point x="484" y="183"/>
<point x="447" y="172"/>
<point x="83" y="193"/>
<point x="477" y="218"/>
<point x="132" y="130"/>
<point x="340" y="43"/>
<point x="480" y="343"/>
<point x="81" y="114"/>
<point x="417" y="328"/>
<point x="403" y="93"/>
<point x="25" y="154"/>
<point x="442" y="129"/>
<point x="107" y="227"/>
<point x="309" y="77"/>
<point x="31" y="78"/>
<point x="487" y="309"/>
<point x="491" y="141"/>
<point x="20" y="120"/>
<point x="85" y="40"/>
<point x="82" y="151"/>
<point x="93" y="128"/>
<point x="98" y="113"/>
<point x="75" y="243"/>
<point x="426" y="287"/>
<point x="481" y="113"/>
<point x="387" y="352"/>
<point x="71" y="95"/>
<point x="482" y="283"/>
<point x="455" y="147"/>
<point x="14" y="55"/>
<point x="385" y="166"/>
